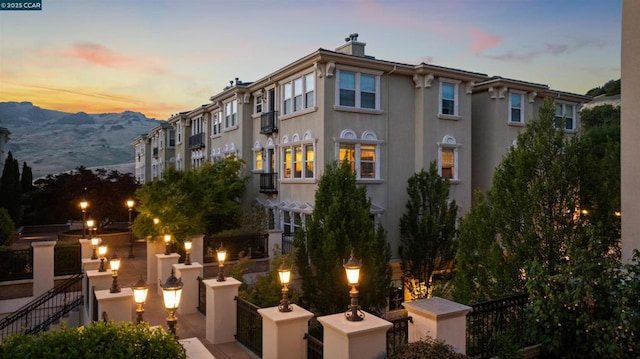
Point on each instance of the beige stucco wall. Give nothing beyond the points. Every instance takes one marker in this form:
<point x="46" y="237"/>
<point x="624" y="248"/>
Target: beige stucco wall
<point x="630" y="127"/>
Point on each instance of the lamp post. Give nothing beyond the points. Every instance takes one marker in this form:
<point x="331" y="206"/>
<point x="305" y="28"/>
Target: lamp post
<point x="171" y="293"/>
<point x="83" y="206"/>
<point x="115" y="266"/>
<point x="90" y="224"/>
<point x="221" y="253"/>
<point x="140" y="290"/>
<point x="130" y="204"/>
<point x="352" y="268"/>
<point x="102" y="251"/>
<point x="94" y="242"/>
<point x="167" y="241"/>
<point x="285" y="277"/>
<point x="187" y="249"/>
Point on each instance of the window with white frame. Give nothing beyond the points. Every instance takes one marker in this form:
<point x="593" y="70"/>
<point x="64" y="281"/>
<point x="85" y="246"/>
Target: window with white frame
<point x="362" y="154"/>
<point x="298" y="158"/>
<point x="258" y="157"/>
<point x="359" y="90"/>
<point x="448" y="98"/>
<point x="298" y="94"/>
<point x="257" y="104"/>
<point x="516" y="110"/>
<point x="291" y="221"/>
<point x="448" y="158"/>
<point x="216" y="123"/>
<point x="565" y="116"/>
<point x="231" y="114"/>
<point x="179" y="127"/>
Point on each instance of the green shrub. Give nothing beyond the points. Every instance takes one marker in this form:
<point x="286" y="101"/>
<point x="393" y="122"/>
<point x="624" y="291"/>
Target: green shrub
<point x="98" y="340"/>
<point x="426" y="348"/>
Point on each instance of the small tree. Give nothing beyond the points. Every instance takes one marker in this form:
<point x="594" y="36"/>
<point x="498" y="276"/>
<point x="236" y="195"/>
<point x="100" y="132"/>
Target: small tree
<point x="7" y="228"/>
<point x="10" y="197"/>
<point x="342" y="221"/>
<point x="427" y="230"/>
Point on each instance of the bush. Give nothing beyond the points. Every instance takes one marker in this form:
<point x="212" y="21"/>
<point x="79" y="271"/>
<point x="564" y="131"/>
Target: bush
<point x="99" y="340"/>
<point x="426" y="348"/>
<point x="7" y="228"/>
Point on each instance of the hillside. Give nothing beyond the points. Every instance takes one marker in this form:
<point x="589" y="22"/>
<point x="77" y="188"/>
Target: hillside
<point x="52" y="141"/>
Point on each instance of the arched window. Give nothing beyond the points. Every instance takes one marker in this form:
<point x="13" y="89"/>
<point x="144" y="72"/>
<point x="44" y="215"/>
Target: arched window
<point x="448" y="158"/>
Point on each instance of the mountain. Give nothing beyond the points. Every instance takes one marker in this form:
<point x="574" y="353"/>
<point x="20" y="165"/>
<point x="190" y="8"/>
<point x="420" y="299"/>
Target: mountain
<point x="51" y="141"/>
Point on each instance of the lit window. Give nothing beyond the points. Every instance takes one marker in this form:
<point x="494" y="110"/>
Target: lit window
<point x="367" y="161"/>
<point x="448" y="158"/>
<point x="257" y="163"/>
<point x="348" y="153"/>
<point x="361" y="154"/>
<point x="447" y="163"/>
<point x="298" y="159"/>
<point x="308" y="161"/>
<point x="287" y="162"/>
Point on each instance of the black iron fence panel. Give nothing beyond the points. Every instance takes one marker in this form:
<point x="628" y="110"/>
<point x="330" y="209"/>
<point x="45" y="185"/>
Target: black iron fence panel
<point x="490" y="320"/>
<point x="202" y="296"/>
<point x="287" y="243"/>
<point x="255" y="246"/>
<point x="67" y="260"/>
<point x="315" y="347"/>
<point x="249" y="325"/>
<point x="16" y="264"/>
<point x="398" y="334"/>
<point x="45" y="310"/>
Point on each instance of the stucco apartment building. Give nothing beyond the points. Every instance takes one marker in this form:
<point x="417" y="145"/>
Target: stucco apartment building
<point x="388" y="119"/>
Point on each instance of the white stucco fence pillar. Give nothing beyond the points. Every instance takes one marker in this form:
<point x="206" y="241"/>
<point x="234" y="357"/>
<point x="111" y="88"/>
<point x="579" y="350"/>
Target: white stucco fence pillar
<point x="165" y="264"/>
<point x="221" y="321"/>
<point x="188" y="274"/>
<point x="42" y="267"/>
<point x="153" y="248"/>
<point x="117" y="306"/>
<point x="440" y="319"/>
<point x="283" y="333"/>
<point x="344" y="339"/>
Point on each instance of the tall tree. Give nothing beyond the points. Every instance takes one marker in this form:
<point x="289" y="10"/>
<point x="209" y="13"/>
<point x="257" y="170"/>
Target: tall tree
<point x="342" y="222"/>
<point x="26" y="179"/>
<point x="427" y="230"/>
<point x="10" y="197"/>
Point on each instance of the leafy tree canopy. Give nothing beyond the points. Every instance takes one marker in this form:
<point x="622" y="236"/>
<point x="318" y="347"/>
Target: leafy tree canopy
<point x="205" y="200"/>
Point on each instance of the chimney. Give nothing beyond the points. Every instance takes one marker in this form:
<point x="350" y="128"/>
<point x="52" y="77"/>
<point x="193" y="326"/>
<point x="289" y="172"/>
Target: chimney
<point x="352" y="46"/>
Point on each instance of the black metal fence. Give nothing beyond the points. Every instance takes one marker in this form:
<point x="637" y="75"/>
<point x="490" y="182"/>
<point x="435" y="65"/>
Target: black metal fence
<point x="16" y="264"/>
<point x="254" y="245"/>
<point x="202" y="296"/>
<point x="249" y="325"/>
<point x="398" y="334"/>
<point x="45" y="310"/>
<point x="67" y="260"/>
<point x="490" y="320"/>
<point x="287" y="243"/>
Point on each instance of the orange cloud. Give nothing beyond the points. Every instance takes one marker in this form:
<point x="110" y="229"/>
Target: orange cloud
<point x="98" y="54"/>
<point x="482" y="41"/>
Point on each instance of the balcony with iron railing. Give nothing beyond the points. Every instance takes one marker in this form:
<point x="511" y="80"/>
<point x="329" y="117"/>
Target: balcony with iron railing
<point x="268" y="122"/>
<point x="196" y="141"/>
<point x="268" y="182"/>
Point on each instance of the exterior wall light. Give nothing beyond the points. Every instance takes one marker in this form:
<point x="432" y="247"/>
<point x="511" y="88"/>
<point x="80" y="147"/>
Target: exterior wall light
<point x="102" y="251"/>
<point x="187" y="249"/>
<point x="352" y="268"/>
<point x="284" y="273"/>
<point x="221" y="253"/>
<point x="171" y="293"/>
<point x="115" y="266"/>
<point x="140" y="290"/>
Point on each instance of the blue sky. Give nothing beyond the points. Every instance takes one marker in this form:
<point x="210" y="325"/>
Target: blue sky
<point x="162" y="57"/>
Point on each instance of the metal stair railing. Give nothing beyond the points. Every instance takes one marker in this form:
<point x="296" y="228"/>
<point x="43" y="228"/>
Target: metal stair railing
<point x="45" y="310"/>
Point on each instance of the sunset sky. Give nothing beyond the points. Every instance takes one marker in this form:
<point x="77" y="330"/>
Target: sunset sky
<point x="162" y="57"/>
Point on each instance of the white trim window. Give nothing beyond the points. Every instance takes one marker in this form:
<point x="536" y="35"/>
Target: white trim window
<point x="298" y="158"/>
<point x="231" y="114"/>
<point x="358" y="89"/>
<point x="448" y="161"/>
<point x="516" y="107"/>
<point x="298" y="94"/>
<point x="216" y="123"/>
<point x="565" y="118"/>
<point x="257" y="104"/>
<point x="179" y="131"/>
<point x="292" y="221"/>
<point x="363" y="155"/>
<point x="448" y="97"/>
<point x="258" y="157"/>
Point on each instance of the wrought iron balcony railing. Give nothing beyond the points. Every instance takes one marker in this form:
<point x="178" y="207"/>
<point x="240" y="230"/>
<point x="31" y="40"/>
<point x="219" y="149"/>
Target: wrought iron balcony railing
<point x="268" y="122"/>
<point x="196" y="141"/>
<point x="268" y="182"/>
